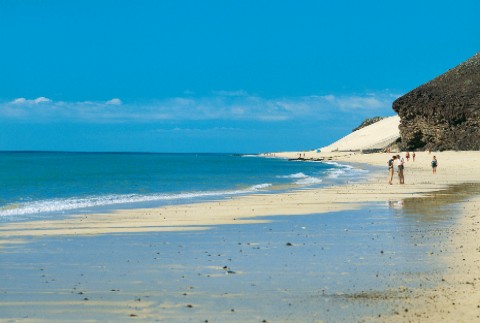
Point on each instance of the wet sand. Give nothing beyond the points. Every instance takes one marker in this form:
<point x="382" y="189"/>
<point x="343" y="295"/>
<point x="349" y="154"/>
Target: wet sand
<point x="413" y="247"/>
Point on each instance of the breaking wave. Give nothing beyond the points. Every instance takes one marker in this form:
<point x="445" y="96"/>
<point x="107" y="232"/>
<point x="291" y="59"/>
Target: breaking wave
<point x="77" y="203"/>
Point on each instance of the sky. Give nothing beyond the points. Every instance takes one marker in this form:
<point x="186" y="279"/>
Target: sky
<point x="245" y="76"/>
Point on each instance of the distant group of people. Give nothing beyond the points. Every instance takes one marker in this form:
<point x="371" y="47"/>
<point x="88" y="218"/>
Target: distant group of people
<point x="407" y="156"/>
<point x="398" y="162"/>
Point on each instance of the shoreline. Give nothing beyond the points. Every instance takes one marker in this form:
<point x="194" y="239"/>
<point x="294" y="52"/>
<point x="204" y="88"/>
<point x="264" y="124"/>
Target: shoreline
<point x="455" y="299"/>
<point x="245" y="209"/>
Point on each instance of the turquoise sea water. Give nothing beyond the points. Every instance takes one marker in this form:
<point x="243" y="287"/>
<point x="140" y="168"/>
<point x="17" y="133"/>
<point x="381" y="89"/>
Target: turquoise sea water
<point x="50" y="183"/>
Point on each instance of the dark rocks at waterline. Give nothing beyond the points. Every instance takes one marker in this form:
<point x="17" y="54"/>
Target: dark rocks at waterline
<point x="310" y="159"/>
<point x="443" y="114"/>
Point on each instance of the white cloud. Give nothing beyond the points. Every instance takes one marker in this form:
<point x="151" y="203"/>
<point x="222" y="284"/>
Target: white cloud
<point x="215" y="130"/>
<point x="41" y="99"/>
<point x="358" y="102"/>
<point x="38" y="100"/>
<point x="222" y="106"/>
<point x="19" y="101"/>
<point x="114" y="101"/>
<point x="230" y="93"/>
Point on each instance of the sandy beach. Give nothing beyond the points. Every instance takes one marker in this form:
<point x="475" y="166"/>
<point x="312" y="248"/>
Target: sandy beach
<point x="230" y="161"/>
<point x="451" y="296"/>
<point x="457" y="296"/>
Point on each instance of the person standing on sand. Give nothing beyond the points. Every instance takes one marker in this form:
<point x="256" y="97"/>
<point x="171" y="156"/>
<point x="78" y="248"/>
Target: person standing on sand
<point x="413" y="156"/>
<point x="434" y="165"/>
<point x="407" y="155"/>
<point x="391" y="163"/>
<point x="400" y="166"/>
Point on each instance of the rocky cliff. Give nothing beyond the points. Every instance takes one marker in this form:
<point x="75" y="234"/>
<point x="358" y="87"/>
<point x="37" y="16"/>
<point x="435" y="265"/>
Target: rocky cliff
<point x="443" y="114"/>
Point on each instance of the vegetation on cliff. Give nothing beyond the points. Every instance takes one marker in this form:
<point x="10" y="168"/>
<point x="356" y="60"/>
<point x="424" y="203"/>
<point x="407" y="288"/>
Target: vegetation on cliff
<point x="368" y="122"/>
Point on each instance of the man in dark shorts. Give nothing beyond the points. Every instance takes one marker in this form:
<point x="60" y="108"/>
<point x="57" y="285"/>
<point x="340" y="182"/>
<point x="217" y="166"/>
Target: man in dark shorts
<point x="434" y="164"/>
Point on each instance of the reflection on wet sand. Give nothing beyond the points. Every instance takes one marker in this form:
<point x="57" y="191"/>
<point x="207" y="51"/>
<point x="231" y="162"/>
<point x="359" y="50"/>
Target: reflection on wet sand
<point x="436" y="206"/>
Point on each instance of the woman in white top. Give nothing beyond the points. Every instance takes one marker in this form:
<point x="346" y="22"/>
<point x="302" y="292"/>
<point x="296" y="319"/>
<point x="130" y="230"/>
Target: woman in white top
<point x="400" y="166"/>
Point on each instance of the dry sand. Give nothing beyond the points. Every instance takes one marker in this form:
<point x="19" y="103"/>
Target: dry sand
<point x="457" y="297"/>
<point x="368" y="137"/>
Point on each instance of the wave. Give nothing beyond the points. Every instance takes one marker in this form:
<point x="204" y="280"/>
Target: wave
<point x="260" y="187"/>
<point x="336" y="173"/>
<point x="309" y="181"/>
<point x="341" y="170"/>
<point x="77" y="203"/>
<point x="296" y="175"/>
<point x="302" y="179"/>
<point x="335" y="164"/>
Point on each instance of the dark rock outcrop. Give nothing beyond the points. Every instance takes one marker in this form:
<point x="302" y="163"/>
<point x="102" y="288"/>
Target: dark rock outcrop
<point x="443" y="114"/>
<point x="368" y="122"/>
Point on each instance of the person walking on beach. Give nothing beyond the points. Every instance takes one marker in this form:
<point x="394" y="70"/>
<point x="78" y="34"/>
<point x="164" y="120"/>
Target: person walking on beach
<point x="400" y="166"/>
<point x="413" y="156"/>
<point x="391" y="163"/>
<point x="407" y="155"/>
<point x="434" y="165"/>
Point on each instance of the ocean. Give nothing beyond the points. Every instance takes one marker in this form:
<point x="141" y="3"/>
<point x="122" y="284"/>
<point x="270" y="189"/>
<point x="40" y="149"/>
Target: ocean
<point x="48" y="184"/>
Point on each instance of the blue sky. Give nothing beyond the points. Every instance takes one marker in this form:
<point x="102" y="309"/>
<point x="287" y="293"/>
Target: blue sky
<point x="215" y="76"/>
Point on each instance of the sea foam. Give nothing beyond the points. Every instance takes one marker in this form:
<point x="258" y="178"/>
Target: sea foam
<point x="77" y="203"/>
<point x="296" y="175"/>
<point x="309" y="180"/>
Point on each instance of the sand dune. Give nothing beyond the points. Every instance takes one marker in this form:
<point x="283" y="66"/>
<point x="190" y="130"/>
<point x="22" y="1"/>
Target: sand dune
<point x="375" y="136"/>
